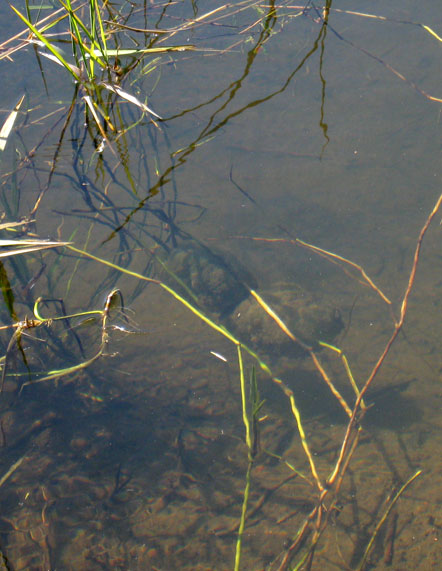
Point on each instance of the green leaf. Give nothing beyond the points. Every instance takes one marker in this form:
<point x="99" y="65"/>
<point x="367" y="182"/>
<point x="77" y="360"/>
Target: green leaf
<point x="49" y="46"/>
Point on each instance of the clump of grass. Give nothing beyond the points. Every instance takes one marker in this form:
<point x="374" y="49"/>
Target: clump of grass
<point x="91" y="54"/>
<point x="92" y="64"/>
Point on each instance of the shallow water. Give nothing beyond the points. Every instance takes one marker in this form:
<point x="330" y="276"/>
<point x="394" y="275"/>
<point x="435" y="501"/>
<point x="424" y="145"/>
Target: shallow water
<point x="274" y="130"/>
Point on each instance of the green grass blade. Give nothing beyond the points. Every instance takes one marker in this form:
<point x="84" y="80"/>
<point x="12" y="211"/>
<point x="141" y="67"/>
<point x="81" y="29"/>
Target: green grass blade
<point x="78" y="23"/>
<point x="76" y="39"/>
<point x="101" y="39"/>
<point x="48" y="45"/>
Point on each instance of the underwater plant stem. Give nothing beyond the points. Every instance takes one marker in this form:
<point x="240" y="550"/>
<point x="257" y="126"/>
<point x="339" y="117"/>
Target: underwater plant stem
<point x="242" y="522"/>
<point x="245" y="501"/>
<point x="384" y="517"/>
<point x="245" y="416"/>
<point x="250" y="421"/>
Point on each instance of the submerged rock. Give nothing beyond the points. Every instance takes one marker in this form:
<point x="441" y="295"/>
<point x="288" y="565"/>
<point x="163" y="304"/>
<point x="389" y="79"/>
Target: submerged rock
<point x="309" y="318"/>
<point x="217" y="285"/>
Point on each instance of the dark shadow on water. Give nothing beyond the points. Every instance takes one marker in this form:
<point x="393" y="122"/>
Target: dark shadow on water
<point x="391" y="409"/>
<point x="313" y="398"/>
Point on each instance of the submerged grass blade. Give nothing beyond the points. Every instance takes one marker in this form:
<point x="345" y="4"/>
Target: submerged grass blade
<point x="243" y="517"/>
<point x="346" y="367"/>
<point x="250" y="424"/>
<point x="220" y="329"/>
<point x="271" y="313"/>
<point x="56" y="374"/>
<point x="297" y="415"/>
<point x="7" y="225"/>
<point x="245" y="416"/>
<point x="8" y="294"/>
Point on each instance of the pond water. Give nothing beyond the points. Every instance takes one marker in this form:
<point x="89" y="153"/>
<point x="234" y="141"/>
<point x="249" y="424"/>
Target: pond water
<point x="297" y="151"/>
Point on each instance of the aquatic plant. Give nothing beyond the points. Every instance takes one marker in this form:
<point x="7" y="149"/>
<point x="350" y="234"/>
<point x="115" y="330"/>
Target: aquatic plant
<point x="303" y="546"/>
<point x="43" y="345"/>
<point x="90" y="51"/>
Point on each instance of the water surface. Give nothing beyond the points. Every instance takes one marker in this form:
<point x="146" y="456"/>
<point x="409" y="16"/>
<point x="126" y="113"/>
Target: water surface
<point x="275" y="128"/>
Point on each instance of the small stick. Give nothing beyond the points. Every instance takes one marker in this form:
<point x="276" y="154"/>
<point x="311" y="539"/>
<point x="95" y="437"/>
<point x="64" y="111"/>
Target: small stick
<point x="389" y="539"/>
<point x="11" y="470"/>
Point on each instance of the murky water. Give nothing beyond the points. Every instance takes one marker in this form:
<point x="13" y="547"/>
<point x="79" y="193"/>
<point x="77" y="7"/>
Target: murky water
<point x="277" y="132"/>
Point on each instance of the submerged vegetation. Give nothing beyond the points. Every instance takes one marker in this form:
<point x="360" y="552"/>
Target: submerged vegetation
<point x="262" y="458"/>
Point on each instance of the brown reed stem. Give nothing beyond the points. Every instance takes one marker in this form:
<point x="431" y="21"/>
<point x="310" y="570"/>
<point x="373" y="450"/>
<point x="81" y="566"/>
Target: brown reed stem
<point x="398" y="326"/>
<point x="350" y="443"/>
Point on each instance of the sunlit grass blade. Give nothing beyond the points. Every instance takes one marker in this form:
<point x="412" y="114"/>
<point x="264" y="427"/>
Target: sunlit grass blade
<point x="26" y="246"/>
<point x="130" y="98"/>
<point x="92" y="53"/>
<point x="9" y="124"/>
<point x="76" y="70"/>
<point x="11" y="470"/>
<point x="25" y="242"/>
<point x="96" y="19"/>
<point x="432" y="32"/>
